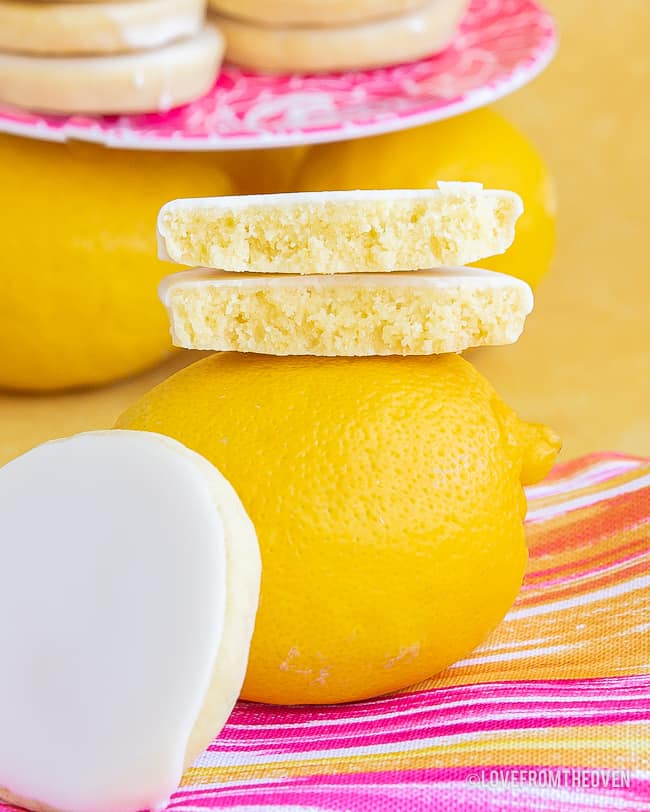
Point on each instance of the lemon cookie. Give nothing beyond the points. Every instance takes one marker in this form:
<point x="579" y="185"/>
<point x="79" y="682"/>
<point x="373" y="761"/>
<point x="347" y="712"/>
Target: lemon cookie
<point x="147" y="81"/>
<point x="313" y="12"/>
<point x="340" y="232"/>
<point x="413" y="35"/>
<point x="130" y="586"/>
<point x="96" y="28"/>
<point x="416" y="313"/>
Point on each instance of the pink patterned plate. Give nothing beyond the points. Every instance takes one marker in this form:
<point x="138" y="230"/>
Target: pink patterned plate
<point x="501" y="45"/>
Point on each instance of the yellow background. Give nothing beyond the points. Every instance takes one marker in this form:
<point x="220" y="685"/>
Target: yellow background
<point x="583" y="364"/>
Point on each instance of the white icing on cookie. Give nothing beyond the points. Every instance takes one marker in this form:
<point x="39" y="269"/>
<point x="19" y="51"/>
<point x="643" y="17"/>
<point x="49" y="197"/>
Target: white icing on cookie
<point x="290" y="199"/>
<point x="155" y="34"/>
<point x="111" y="616"/>
<point x="466" y="278"/>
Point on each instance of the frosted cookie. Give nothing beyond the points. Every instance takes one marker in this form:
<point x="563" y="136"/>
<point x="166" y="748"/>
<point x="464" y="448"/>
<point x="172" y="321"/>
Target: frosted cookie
<point x="276" y="49"/>
<point x="313" y="12"/>
<point x="96" y="28"/>
<point x="130" y="584"/>
<point x="340" y="232"/>
<point x="417" y="313"/>
<point x="147" y="81"/>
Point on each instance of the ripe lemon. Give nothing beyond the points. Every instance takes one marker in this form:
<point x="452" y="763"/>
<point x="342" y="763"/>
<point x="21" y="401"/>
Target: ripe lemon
<point x="262" y="171"/>
<point x="79" y="270"/>
<point x="386" y="494"/>
<point x="479" y="146"/>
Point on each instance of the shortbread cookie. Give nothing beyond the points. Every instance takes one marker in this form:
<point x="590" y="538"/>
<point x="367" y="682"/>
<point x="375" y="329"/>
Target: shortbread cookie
<point x="276" y="49"/>
<point x="416" y="313"/>
<point x="148" y="81"/>
<point x="33" y="27"/>
<point x="130" y="585"/>
<point x="340" y="232"/>
<point x="313" y="12"/>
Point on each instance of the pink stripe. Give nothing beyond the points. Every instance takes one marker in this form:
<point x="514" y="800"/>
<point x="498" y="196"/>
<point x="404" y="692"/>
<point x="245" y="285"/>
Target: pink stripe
<point x="572" y="468"/>
<point x="440" y="788"/>
<point x="429" y="731"/>
<point x="250" y="713"/>
<point x="457" y="720"/>
<point x="413" y="720"/>
<point x="568" y="485"/>
<point x="541" y="574"/>
<point x="621" y="565"/>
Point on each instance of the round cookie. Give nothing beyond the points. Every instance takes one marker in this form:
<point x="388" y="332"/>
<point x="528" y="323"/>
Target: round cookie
<point x="363" y="231"/>
<point x="375" y="44"/>
<point x="96" y="28"/>
<point x="412" y="313"/>
<point x="113" y="546"/>
<point x="313" y="12"/>
<point x="145" y="82"/>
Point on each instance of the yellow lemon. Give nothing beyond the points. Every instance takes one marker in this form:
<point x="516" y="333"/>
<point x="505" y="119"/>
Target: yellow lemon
<point x="479" y="146"/>
<point x="386" y="494"/>
<point x="262" y="171"/>
<point x="79" y="270"/>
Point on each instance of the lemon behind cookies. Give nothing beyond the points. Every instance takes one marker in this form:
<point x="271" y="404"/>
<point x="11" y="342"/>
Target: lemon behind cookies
<point x="79" y="275"/>
<point x="479" y="146"/>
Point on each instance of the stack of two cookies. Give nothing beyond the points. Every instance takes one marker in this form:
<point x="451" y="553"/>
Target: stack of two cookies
<point x="343" y="273"/>
<point x="313" y="36"/>
<point x="111" y="56"/>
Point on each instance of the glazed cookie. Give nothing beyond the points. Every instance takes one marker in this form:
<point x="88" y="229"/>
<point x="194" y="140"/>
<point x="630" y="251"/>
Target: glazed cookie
<point x="340" y="232"/>
<point x="418" y="33"/>
<point x="130" y="586"/>
<point x="416" y="313"/>
<point x="96" y="28"/>
<point x="313" y="12"/>
<point x="148" y="81"/>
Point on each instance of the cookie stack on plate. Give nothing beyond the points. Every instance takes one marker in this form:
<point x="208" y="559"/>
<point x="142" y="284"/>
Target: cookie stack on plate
<point x="111" y="56"/>
<point x="343" y="273"/>
<point x="315" y="36"/>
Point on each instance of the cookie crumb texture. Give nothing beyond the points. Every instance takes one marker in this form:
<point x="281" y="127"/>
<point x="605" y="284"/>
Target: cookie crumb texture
<point x="340" y="232"/>
<point x="355" y="315"/>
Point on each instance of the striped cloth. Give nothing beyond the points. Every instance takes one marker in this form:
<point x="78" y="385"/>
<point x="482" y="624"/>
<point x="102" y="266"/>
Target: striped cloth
<point x="551" y="713"/>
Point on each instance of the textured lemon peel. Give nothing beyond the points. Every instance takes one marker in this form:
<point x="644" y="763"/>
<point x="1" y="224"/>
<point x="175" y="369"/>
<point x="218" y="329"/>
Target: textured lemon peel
<point x="541" y="445"/>
<point x="531" y="447"/>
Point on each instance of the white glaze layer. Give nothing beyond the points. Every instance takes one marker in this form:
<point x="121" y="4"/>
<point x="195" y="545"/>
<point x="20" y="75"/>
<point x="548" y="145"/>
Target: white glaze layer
<point x="435" y="278"/>
<point x="155" y="35"/>
<point x="288" y="199"/>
